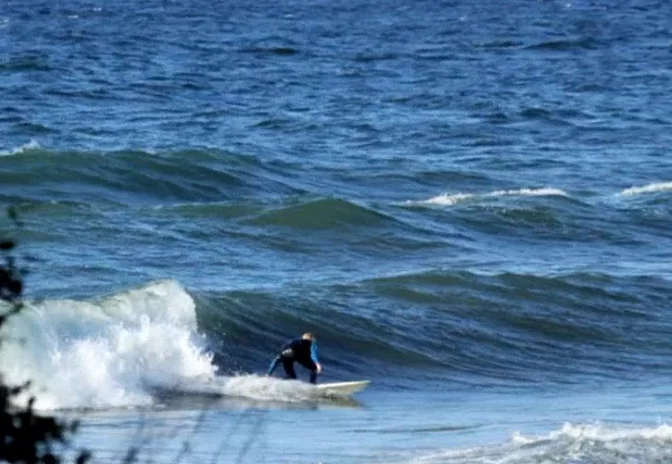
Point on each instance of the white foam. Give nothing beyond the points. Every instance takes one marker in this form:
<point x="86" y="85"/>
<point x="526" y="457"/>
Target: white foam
<point x="651" y="188"/>
<point x="526" y="192"/>
<point x="572" y="443"/>
<point x="452" y="199"/>
<point x="448" y="199"/>
<point x="250" y="386"/>
<point x="106" y="353"/>
<point x="27" y="147"/>
<point x="606" y="433"/>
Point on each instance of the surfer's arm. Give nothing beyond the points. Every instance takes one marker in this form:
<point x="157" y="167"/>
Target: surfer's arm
<point x="274" y="364"/>
<point x="278" y="358"/>
<point x="314" y="357"/>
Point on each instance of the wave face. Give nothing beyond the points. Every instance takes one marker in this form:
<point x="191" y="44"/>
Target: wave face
<point x="462" y="328"/>
<point x="94" y="177"/>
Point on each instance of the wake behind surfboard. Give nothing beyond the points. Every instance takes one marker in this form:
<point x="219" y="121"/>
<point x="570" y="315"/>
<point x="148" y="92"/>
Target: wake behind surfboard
<point x="341" y="389"/>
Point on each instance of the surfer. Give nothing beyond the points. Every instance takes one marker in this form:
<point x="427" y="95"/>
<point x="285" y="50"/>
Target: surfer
<point x="302" y="350"/>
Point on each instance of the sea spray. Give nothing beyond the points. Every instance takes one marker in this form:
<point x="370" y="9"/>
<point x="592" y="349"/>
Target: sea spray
<point x="106" y="353"/>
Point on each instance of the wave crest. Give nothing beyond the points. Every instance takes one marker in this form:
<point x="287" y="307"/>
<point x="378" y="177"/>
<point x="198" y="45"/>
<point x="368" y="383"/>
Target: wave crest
<point x="650" y="188"/>
<point x="321" y="214"/>
<point x="447" y="199"/>
<point x="596" y="442"/>
<point x="25" y="148"/>
<point x="109" y="352"/>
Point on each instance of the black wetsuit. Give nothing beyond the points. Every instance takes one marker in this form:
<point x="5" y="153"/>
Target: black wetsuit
<point x="298" y="350"/>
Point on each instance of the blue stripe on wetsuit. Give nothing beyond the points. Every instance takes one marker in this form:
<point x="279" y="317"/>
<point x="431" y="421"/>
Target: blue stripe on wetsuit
<point x="313" y="352"/>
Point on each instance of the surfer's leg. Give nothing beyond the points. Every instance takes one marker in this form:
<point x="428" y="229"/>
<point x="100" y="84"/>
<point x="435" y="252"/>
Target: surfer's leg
<point x="310" y="365"/>
<point x="288" y="364"/>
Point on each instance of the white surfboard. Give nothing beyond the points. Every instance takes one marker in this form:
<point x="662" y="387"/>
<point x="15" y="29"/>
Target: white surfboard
<point x="342" y="388"/>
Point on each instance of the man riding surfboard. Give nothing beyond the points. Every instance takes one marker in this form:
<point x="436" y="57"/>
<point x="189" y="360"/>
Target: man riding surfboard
<point x="301" y="350"/>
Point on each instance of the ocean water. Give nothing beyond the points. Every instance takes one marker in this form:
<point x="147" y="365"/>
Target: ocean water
<point x="470" y="202"/>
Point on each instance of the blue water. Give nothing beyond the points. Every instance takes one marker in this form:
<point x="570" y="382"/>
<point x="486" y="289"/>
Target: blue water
<point x="469" y="203"/>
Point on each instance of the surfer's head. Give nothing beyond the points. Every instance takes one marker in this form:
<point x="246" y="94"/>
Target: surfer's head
<point x="308" y="336"/>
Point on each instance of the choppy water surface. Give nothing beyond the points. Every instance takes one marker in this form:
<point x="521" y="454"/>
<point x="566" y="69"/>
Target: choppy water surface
<point x="469" y="202"/>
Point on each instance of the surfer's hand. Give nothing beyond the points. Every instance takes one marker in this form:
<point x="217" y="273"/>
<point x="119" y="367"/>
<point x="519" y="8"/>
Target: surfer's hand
<point x="319" y="368"/>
